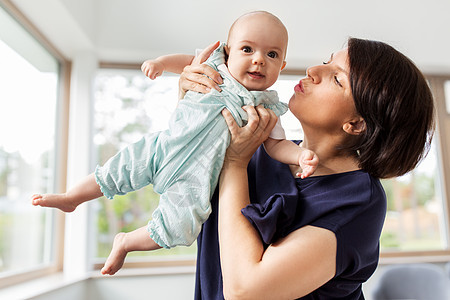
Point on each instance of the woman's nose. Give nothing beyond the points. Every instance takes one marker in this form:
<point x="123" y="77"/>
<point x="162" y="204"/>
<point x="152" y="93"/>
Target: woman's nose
<point x="314" y="73"/>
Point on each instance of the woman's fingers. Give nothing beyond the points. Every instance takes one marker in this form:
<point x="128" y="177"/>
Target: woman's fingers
<point x="193" y="79"/>
<point x="199" y="77"/>
<point x="203" y="56"/>
<point x="199" y="68"/>
<point x="210" y="75"/>
<point x="231" y="122"/>
<point x="245" y="140"/>
<point x="253" y="118"/>
<point x="260" y="121"/>
<point x="196" y="83"/>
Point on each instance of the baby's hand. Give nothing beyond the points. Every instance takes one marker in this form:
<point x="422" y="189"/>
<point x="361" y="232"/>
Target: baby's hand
<point x="308" y="161"/>
<point x="152" y="68"/>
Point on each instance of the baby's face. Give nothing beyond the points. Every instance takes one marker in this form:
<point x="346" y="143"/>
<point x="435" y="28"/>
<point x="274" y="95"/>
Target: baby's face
<point x="256" y="50"/>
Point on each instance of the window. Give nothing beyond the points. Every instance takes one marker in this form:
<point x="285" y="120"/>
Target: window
<point x="285" y="89"/>
<point x="28" y="108"/>
<point x="415" y="219"/>
<point x="127" y="106"/>
<point x="447" y="96"/>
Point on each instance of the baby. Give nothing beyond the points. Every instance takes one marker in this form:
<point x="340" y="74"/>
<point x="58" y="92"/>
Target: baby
<point x="183" y="162"/>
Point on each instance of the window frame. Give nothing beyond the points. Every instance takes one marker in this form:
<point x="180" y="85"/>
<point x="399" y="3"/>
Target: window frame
<point x="61" y="146"/>
<point x="442" y="136"/>
<point x="143" y="262"/>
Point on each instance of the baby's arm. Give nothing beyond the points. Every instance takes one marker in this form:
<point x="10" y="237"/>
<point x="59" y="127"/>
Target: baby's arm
<point x="173" y="63"/>
<point x="289" y="153"/>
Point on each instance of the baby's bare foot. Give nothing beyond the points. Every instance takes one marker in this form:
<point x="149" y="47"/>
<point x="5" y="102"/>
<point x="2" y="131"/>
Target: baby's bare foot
<point x="59" y="201"/>
<point x="117" y="256"/>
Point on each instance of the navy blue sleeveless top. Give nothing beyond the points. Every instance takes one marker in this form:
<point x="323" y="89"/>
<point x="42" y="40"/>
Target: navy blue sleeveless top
<point x="351" y="204"/>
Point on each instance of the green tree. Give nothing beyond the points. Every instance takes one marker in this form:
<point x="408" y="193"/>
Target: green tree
<point x="124" y="100"/>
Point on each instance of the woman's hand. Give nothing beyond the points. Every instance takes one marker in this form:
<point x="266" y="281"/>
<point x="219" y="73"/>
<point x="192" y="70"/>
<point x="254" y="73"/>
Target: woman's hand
<point x="246" y="140"/>
<point x="198" y="77"/>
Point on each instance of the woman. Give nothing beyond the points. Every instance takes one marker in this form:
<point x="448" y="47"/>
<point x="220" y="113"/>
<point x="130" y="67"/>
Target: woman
<point x="368" y="114"/>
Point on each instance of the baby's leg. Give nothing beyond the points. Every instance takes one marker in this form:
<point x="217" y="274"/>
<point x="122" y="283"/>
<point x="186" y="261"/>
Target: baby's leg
<point x="87" y="189"/>
<point x="137" y="240"/>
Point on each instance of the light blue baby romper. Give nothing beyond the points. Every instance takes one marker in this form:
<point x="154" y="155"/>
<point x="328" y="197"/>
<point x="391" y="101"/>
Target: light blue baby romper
<point x="183" y="162"/>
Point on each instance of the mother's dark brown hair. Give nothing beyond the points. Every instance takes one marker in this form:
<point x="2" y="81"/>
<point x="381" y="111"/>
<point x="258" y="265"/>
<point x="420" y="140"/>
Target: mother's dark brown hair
<point x="393" y="97"/>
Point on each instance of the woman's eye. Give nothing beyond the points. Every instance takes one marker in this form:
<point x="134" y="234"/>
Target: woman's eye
<point x="329" y="60"/>
<point x="336" y="79"/>
<point x="272" y="54"/>
<point x="247" y="49"/>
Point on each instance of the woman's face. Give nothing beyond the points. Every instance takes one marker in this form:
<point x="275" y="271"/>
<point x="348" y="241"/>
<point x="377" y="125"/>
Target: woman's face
<point x="323" y="100"/>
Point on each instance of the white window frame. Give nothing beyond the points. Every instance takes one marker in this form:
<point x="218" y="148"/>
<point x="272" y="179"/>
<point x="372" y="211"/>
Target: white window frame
<point x="442" y="137"/>
<point x="170" y="263"/>
<point x="61" y="137"/>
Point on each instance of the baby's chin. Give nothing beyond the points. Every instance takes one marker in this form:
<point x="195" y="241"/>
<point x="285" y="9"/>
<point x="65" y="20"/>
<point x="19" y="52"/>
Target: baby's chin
<point x="256" y="87"/>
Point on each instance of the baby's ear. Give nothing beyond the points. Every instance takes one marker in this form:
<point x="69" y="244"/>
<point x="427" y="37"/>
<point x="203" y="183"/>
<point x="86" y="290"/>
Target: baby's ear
<point x="227" y="50"/>
<point x="284" y="65"/>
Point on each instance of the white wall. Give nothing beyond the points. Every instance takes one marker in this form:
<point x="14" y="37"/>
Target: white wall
<point x="132" y="31"/>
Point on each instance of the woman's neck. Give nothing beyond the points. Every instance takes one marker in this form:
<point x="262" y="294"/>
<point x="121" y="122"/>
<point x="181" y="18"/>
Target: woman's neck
<point x="331" y="159"/>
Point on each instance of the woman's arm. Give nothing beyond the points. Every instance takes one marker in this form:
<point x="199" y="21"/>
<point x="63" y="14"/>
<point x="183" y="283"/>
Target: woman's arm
<point x="295" y="265"/>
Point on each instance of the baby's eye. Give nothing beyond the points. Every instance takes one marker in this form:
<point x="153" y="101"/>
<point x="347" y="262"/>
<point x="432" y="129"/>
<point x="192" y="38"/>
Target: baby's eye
<point x="272" y="54"/>
<point x="246" y="49"/>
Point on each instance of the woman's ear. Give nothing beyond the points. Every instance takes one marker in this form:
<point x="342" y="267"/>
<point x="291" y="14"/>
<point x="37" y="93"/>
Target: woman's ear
<point x="355" y="126"/>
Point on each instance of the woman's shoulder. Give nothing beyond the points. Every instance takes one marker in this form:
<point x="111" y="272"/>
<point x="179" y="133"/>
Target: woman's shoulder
<point x="343" y="198"/>
<point x="344" y="185"/>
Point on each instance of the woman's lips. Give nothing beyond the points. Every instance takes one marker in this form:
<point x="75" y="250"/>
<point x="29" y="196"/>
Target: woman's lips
<point x="299" y="87"/>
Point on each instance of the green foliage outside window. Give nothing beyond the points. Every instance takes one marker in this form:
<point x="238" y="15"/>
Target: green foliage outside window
<point x="127" y="106"/>
<point x="414" y="212"/>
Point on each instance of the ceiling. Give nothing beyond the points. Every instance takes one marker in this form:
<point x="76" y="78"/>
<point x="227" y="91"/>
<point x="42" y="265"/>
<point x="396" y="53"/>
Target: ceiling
<point x="130" y="31"/>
